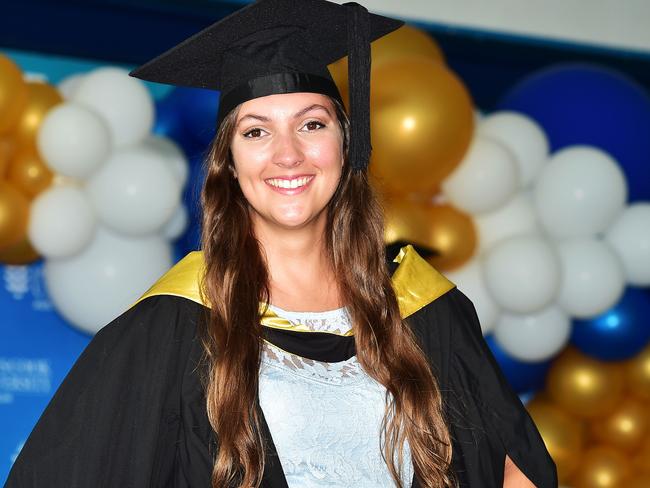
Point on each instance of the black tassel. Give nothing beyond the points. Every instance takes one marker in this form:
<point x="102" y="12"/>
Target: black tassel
<point x="358" y="31"/>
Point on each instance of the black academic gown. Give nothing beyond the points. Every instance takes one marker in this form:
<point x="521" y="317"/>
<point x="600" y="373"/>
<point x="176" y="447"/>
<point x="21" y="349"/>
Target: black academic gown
<point x="131" y="411"/>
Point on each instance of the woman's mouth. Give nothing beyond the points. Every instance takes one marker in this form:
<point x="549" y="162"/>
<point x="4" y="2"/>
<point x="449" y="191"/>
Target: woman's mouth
<point x="290" y="186"/>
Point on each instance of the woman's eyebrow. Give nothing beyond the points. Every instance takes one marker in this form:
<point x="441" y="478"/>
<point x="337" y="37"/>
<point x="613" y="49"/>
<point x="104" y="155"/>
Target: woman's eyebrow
<point x="261" y="118"/>
<point x="309" y="108"/>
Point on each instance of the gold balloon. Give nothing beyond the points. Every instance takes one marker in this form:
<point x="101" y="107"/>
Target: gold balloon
<point x="407" y="41"/>
<point x="584" y="386"/>
<point x="422" y="122"/>
<point x="601" y="467"/>
<point x="14" y="211"/>
<point x="641" y="458"/>
<point x="625" y="427"/>
<point x="19" y="254"/>
<point x="637" y="374"/>
<point x="442" y="229"/>
<point x="13" y="93"/>
<point x="6" y="154"/>
<point x="41" y="98"/>
<point x="638" y="480"/>
<point x="28" y="173"/>
<point x="563" y="435"/>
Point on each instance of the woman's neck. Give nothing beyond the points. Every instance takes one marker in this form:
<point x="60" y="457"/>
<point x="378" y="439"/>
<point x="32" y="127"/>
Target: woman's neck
<point x="300" y="273"/>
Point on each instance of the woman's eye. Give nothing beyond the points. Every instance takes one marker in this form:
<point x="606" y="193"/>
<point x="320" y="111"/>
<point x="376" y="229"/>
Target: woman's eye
<point x="253" y="133"/>
<point x="314" y="125"/>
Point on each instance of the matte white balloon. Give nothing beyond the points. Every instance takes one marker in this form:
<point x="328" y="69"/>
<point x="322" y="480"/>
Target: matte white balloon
<point x="123" y="101"/>
<point x="135" y="192"/>
<point x="177" y="225"/>
<point x="592" y="279"/>
<point x="73" y="140"/>
<point x="516" y="217"/>
<point x="534" y="337"/>
<point x="486" y="178"/>
<point x="522" y="136"/>
<point x="629" y="236"/>
<point x="469" y="279"/>
<point x="579" y="192"/>
<point x="61" y="222"/>
<point x="67" y="87"/>
<point x="98" y="284"/>
<point x="522" y="274"/>
<point x="172" y="154"/>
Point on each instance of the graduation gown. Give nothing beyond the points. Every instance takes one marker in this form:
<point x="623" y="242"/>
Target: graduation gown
<point x="131" y="411"/>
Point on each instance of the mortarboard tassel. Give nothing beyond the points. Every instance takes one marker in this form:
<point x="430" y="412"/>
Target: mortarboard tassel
<point x="358" y="32"/>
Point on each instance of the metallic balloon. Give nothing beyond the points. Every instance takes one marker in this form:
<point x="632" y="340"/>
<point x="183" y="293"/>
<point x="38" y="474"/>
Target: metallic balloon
<point x="422" y="121"/>
<point x="19" y="254"/>
<point x="13" y="93"/>
<point x="6" y="154"/>
<point x="14" y="212"/>
<point x="563" y="434"/>
<point x="28" y="172"/>
<point x="447" y="232"/>
<point x="637" y="373"/>
<point x="41" y="98"/>
<point x="601" y="467"/>
<point x="625" y="427"/>
<point x="584" y="386"/>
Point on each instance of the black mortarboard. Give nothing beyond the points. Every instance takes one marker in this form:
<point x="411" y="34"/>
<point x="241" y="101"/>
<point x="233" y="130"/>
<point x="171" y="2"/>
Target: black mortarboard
<point x="280" y="46"/>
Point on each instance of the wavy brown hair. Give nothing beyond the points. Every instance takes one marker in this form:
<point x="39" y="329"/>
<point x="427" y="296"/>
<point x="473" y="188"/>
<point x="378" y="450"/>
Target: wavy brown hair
<point x="236" y="281"/>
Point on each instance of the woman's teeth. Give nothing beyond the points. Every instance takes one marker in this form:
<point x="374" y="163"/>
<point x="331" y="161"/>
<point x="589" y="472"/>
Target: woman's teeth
<point x="293" y="183"/>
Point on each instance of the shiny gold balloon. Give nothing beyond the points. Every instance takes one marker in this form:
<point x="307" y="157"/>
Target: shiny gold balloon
<point x="41" y="98"/>
<point x="638" y="480"/>
<point x="637" y="374"/>
<point x="14" y="211"/>
<point x="19" y="254"/>
<point x="584" y="386"/>
<point x="563" y="435"/>
<point x="625" y="427"/>
<point x="641" y="458"/>
<point x="442" y="229"/>
<point x="13" y="93"/>
<point x="28" y="173"/>
<point x="601" y="467"/>
<point x="407" y="41"/>
<point x="422" y="121"/>
<point x="6" y="154"/>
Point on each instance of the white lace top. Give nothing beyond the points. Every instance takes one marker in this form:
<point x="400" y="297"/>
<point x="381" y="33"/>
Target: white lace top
<point x="325" y="418"/>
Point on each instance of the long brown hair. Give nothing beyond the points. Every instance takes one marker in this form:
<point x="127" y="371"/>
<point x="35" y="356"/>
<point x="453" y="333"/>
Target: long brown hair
<point x="236" y="281"/>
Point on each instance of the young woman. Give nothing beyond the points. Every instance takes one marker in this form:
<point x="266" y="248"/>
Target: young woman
<point x="288" y="353"/>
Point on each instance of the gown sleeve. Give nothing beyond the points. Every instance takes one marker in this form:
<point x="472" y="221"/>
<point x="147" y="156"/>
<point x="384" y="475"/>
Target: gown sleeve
<point x="102" y="426"/>
<point x="486" y="418"/>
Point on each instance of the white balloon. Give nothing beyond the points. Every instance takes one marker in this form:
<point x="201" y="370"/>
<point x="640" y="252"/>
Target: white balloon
<point x="98" y="284"/>
<point x="485" y="179"/>
<point x="134" y="192"/>
<point x="523" y="136"/>
<point x="579" y="192"/>
<point x="177" y="225"/>
<point x="73" y="140"/>
<point x="121" y="100"/>
<point x="629" y="236"/>
<point x="68" y="86"/>
<point x="61" y="222"/>
<point x="534" y="337"/>
<point x="469" y="279"/>
<point x="516" y="217"/>
<point x="522" y="274"/>
<point x="592" y="277"/>
<point x="172" y="154"/>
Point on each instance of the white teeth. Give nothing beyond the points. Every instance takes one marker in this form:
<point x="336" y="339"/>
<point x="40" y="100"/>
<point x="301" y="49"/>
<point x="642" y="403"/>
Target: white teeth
<point x="289" y="184"/>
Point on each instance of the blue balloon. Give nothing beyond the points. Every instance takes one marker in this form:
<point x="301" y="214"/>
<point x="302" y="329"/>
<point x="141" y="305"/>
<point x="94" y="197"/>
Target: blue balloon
<point x="581" y="103"/>
<point x="620" y="333"/>
<point x="523" y="377"/>
<point x="198" y="112"/>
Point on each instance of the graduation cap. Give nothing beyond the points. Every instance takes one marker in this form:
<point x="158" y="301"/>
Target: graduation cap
<point x="280" y="46"/>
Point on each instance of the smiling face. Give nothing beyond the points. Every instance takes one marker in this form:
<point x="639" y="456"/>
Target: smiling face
<point x="288" y="155"/>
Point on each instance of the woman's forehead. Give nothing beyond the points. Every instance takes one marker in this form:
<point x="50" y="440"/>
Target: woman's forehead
<point x="284" y="104"/>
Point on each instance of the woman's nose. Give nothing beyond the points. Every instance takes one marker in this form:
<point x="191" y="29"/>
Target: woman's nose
<point x="288" y="152"/>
